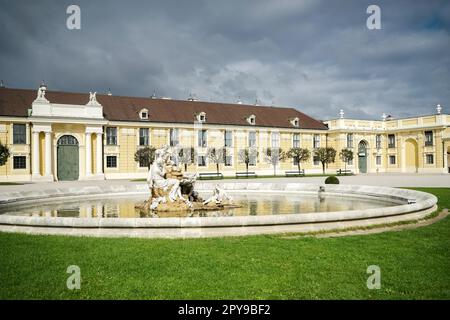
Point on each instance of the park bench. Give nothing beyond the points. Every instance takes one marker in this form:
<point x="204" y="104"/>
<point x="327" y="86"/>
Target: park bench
<point x="245" y="174"/>
<point x="344" y="172"/>
<point x="210" y="175"/>
<point x="295" y="173"/>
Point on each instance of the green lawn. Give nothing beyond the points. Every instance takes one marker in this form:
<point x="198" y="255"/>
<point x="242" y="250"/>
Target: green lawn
<point x="414" y="265"/>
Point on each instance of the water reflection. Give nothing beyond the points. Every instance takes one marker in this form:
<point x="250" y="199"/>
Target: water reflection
<point x="121" y="207"/>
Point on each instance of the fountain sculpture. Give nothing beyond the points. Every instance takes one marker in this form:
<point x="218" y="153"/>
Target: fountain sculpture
<point x="172" y="190"/>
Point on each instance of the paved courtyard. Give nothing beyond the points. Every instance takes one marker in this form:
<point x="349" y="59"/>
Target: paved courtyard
<point x="387" y="180"/>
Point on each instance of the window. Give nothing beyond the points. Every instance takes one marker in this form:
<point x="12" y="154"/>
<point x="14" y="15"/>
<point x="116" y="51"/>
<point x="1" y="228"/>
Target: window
<point x="378" y="141"/>
<point x="316" y="141"/>
<point x="19" y="134"/>
<point x="202" y="138"/>
<point x="391" y="141"/>
<point x="111" y="161"/>
<point x="228" y="161"/>
<point x="296" y="140"/>
<point x="111" y="136"/>
<point x="143" y="114"/>
<point x="19" y="162"/>
<point x="378" y="160"/>
<point x="174" y="137"/>
<point x="252" y="139"/>
<point x="228" y="138"/>
<point x="275" y="139"/>
<point x="295" y="122"/>
<point x="201" y="117"/>
<point x="429" y="159"/>
<point x="428" y="138"/>
<point x="202" y="161"/>
<point x="350" y="140"/>
<point x="391" y="159"/>
<point x="316" y="160"/>
<point x="143" y="136"/>
<point x="252" y="119"/>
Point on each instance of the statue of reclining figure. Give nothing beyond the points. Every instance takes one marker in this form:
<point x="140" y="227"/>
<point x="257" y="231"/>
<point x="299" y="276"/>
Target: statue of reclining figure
<point x="156" y="180"/>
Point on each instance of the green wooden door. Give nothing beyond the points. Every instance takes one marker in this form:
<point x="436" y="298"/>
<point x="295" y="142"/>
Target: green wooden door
<point x="68" y="166"/>
<point x="362" y="157"/>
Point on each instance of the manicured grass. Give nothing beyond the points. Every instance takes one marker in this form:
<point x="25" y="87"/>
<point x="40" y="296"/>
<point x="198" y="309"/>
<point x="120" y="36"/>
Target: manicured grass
<point x="414" y="265"/>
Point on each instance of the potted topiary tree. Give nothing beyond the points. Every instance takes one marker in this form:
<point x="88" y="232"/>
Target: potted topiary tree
<point x="346" y="155"/>
<point x="217" y="156"/>
<point x="299" y="155"/>
<point x="145" y="155"/>
<point x="325" y="156"/>
<point x="274" y="156"/>
<point x="4" y="154"/>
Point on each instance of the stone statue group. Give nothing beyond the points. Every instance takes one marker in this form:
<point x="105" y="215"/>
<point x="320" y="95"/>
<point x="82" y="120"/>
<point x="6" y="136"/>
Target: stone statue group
<point x="172" y="190"/>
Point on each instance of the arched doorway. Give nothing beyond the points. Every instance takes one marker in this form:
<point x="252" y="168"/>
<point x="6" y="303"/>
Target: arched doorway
<point x="362" y="157"/>
<point x="411" y="156"/>
<point x="68" y="160"/>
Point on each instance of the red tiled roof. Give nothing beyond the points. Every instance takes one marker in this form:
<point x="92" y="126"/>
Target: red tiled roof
<point x="15" y="102"/>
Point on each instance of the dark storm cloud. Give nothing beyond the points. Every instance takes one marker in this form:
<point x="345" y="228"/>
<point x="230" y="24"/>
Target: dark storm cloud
<point x="315" y="55"/>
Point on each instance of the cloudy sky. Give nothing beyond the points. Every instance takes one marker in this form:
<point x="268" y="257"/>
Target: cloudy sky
<point x="317" y="56"/>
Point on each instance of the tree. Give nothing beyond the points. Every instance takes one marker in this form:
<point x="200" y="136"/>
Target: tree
<point x="145" y="156"/>
<point x="325" y="156"/>
<point x="186" y="156"/>
<point x="299" y="155"/>
<point x="4" y="154"/>
<point x="217" y="156"/>
<point x="246" y="155"/>
<point x="274" y="156"/>
<point x="346" y="155"/>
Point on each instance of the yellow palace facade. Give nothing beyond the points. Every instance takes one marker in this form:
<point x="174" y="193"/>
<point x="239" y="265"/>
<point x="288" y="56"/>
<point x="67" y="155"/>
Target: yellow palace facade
<point x="55" y="136"/>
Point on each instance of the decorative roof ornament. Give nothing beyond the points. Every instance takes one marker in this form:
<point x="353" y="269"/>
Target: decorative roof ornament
<point x="2" y="85"/>
<point x="341" y="113"/>
<point x="239" y="101"/>
<point x="438" y="109"/>
<point x="41" y="93"/>
<point x="384" y="116"/>
<point x="93" y="99"/>
<point x="109" y="92"/>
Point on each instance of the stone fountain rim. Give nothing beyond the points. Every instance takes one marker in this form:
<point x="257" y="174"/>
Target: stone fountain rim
<point x="423" y="205"/>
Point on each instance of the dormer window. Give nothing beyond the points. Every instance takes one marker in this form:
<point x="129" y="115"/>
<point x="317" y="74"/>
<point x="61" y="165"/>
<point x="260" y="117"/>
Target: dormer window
<point x="295" y="122"/>
<point x="201" y="117"/>
<point x="143" y="114"/>
<point x="252" y="120"/>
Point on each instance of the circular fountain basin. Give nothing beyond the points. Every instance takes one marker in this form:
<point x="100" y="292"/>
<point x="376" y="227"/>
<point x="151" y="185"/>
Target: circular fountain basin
<point x="265" y="208"/>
